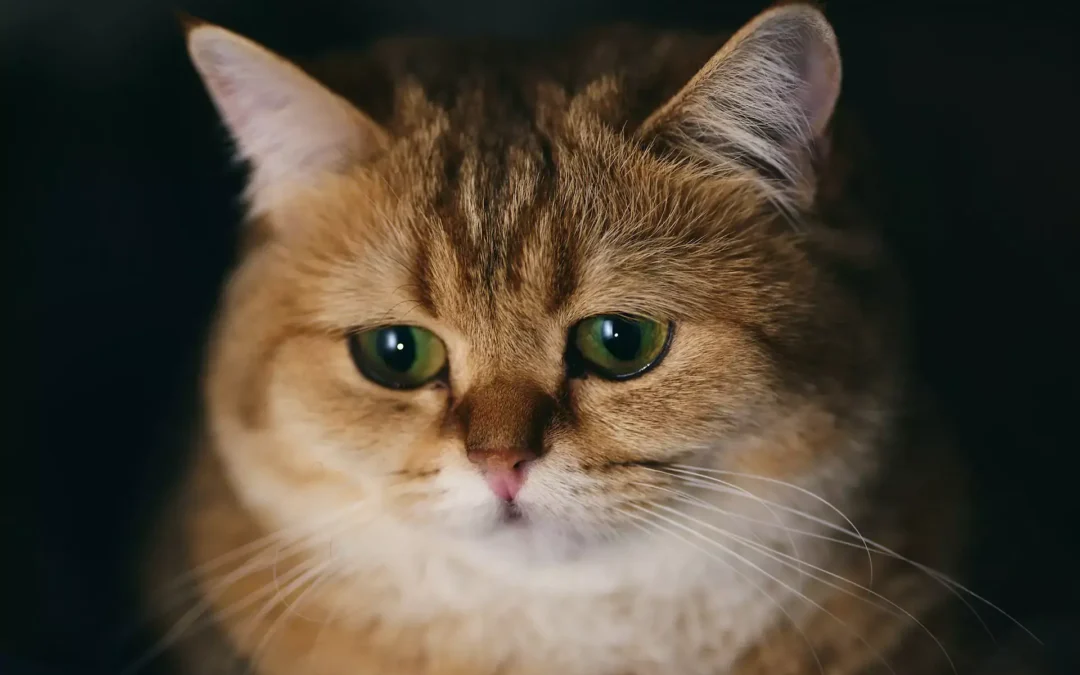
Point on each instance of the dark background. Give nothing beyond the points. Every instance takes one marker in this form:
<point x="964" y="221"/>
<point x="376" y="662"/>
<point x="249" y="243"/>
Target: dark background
<point x="119" y="213"/>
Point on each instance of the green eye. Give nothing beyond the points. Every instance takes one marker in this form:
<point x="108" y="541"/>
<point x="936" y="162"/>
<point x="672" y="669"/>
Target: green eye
<point x="398" y="357"/>
<point x="620" y="347"/>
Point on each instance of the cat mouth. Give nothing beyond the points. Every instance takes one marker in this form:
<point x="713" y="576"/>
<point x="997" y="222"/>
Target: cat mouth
<point x="511" y="515"/>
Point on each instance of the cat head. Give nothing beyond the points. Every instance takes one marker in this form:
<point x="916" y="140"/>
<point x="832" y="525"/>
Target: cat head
<point x="509" y="319"/>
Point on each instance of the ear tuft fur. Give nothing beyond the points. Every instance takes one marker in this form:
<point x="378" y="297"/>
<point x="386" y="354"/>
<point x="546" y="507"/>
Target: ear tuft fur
<point x="761" y="103"/>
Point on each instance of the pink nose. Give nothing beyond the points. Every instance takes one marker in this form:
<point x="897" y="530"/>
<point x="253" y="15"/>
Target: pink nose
<point x="503" y="469"/>
<point x="506" y="483"/>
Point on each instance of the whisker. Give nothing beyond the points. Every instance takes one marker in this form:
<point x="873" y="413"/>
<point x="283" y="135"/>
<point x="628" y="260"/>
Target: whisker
<point x="746" y="493"/>
<point x="252" y="547"/>
<point x="758" y="568"/>
<point x="893" y="608"/>
<point x="954" y="587"/>
<point x="757" y="586"/>
<point x="275" y="586"/>
<point x="302" y="570"/>
<point x="325" y="623"/>
<point x="255" y="596"/>
<point x="260" y="560"/>
<point x="700" y="471"/>
<point x="314" y="575"/>
<point x="203" y="605"/>
<point x="295" y="578"/>
<point x="191" y="577"/>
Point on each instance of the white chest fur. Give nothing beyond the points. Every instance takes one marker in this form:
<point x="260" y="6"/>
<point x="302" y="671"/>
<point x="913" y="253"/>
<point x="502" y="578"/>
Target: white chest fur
<point x="658" y="605"/>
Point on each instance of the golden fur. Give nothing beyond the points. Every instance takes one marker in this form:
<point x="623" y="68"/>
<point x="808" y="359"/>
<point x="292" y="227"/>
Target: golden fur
<point x="697" y="519"/>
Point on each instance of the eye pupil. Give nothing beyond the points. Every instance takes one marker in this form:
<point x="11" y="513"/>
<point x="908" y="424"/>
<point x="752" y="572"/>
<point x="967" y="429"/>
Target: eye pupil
<point x="621" y="338"/>
<point x="397" y="348"/>
<point x="398" y="357"/>
<point x="617" y="347"/>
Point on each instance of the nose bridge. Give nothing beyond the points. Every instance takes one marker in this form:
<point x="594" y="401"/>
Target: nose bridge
<point x="505" y="414"/>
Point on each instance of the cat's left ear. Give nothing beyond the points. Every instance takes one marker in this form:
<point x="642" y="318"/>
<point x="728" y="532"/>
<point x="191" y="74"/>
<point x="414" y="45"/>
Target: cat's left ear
<point x="289" y="127"/>
<point x="762" y="103"/>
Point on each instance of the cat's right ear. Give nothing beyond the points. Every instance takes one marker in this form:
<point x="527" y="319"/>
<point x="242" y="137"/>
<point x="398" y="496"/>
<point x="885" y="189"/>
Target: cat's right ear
<point x="290" y="128"/>
<point x="761" y="104"/>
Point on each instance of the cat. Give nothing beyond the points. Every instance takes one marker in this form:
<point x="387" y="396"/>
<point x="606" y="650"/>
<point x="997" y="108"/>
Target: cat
<point x="571" y="358"/>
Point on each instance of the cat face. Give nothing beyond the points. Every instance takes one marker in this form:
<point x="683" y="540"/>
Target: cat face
<point x="513" y="326"/>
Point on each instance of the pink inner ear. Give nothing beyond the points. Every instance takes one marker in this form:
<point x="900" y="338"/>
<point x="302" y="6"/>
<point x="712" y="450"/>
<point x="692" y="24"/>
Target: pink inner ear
<point x="227" y="95"/>
<point x="821" y="72"/>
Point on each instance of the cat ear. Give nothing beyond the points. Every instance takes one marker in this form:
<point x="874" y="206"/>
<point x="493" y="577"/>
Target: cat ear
<point x="289" y="127"/>
<point x="761" y="103"/>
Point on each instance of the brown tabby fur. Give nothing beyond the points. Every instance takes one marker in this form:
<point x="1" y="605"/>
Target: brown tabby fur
<point x="513" y="197"/>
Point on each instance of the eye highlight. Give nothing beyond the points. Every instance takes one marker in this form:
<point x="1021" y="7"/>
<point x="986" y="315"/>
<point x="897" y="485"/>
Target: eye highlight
<point x="398" y="357"/>
<point x="619" y="347"/>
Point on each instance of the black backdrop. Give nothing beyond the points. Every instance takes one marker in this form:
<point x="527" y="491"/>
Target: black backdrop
<point x="119" y="215"/>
